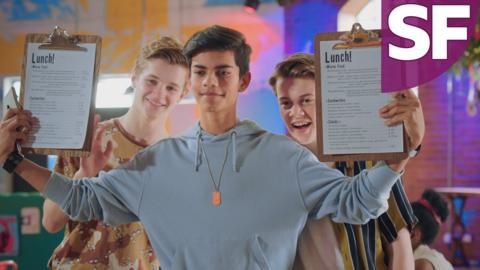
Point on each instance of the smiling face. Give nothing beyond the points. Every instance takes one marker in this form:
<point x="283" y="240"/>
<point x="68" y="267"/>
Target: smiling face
<point x="296" y="99"/>
<point x="215" y="81"/>
<point x="158" y="88"/>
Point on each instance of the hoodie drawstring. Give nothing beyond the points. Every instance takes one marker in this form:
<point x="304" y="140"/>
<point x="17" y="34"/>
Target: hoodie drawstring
<point x="232" y="142"/>
<point x="234" y="151"/>
<point x="198" y="156"/>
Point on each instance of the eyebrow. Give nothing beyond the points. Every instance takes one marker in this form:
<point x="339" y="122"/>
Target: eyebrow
<point x="152" y="76"/>
<point x="216" y="67"/>
<point x="302" y="96"/>
<point x="174" y="84"/>
<point x="157" y="78"/>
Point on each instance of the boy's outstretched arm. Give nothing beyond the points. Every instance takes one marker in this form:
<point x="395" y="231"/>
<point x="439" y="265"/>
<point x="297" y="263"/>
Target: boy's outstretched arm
<point x="34" y="174"/>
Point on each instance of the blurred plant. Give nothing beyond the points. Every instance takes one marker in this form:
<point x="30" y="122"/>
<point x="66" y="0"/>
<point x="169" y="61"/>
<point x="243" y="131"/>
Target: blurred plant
<point x="470" y="61"/>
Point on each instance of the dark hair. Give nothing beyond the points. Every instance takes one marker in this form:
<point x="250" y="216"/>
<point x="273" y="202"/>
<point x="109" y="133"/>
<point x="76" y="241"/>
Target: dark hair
<point x="298" y="65"/>
<point x="426" y="221"/>
<point x="219" y="38"/>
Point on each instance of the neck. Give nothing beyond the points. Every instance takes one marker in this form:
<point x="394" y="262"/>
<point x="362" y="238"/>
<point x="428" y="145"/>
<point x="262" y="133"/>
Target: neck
<point x="216" y="124"/>
<point x="143" y="129"/>
<point x="312" y="147"/>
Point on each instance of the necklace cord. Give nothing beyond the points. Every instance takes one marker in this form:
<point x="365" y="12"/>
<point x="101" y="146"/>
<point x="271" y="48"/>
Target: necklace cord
<point x="215" y="185"/>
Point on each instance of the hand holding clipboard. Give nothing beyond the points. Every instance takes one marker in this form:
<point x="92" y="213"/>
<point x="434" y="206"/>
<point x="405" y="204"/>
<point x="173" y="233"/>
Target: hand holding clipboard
<point x="14" y="127"/>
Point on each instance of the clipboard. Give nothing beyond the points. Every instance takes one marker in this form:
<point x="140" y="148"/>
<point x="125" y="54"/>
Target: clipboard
<point x="356" y="38"/>
<point x="59" y="40"/>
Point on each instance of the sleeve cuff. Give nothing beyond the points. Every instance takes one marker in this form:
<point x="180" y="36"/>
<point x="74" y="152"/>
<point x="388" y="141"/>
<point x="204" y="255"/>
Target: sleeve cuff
<point x="57" y="188"/>
<point x="382" y="178"/>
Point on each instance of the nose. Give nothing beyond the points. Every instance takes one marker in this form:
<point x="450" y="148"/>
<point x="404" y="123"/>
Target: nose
<point x="297" y="110"/>
<point x="160" y="93"/>
<point x="210" y="80"/>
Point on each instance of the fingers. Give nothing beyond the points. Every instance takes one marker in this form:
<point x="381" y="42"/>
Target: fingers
<point x="411" y="103"/>
<point x="18" y="124"/>
<point x="393" y="111"/>
<point x="10" y="113"/>
<point x="396" y="119"/>
<point x="98" y="133"/>
<point x="98" y="138"/>
<point x="16" y="112"/>
<point x="108" y="149"/>
<point x="398" y="114"/>
<point x="21" y="136"/>
<point x="99" y="130"/>
<point x="394" y="104"/>
<point x="96" y="121"/>
<point x="11" y="133"/>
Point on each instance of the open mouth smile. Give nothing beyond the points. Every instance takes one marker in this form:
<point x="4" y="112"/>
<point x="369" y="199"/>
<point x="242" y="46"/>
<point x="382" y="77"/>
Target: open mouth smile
<point x="301" y="125"/>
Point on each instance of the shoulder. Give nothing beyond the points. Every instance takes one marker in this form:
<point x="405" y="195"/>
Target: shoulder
<point x="174" y="144"/>
<point x="281" y="140"/>
<point x="168" y="142"/>
<point x="428" y="257"/>
<point x="423" y="264"/>
<point x="282" y="147"/>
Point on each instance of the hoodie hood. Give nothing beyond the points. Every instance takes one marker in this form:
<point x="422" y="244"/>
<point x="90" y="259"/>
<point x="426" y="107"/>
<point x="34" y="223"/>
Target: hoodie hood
<point x="243" y="128"/>
<point x="197" y="137"/>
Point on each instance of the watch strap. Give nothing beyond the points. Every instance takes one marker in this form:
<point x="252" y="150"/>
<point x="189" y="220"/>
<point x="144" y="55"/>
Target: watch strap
<point x="12" y="161"/>
<point x="414" y="152"/>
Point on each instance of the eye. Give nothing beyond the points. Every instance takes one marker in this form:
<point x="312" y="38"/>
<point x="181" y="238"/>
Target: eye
<point x="151" y="82"/>
<point x="223" y="73"/>
<point x="286" y="104"/>
<point x="199" y="72"/>
<point x="171" y="88"/>
<point x="308" y="101"/>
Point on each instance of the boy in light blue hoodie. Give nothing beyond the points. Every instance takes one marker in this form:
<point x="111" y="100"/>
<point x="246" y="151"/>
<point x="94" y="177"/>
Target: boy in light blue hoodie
<point x="227" y="194"/>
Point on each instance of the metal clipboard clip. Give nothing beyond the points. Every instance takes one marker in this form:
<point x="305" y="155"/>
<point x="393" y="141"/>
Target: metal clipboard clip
<point x="59" y="39"/>
<point x="358" y="38"/>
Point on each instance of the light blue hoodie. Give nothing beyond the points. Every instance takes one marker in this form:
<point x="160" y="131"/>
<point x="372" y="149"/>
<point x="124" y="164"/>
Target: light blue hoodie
<point x="269" y="186"/>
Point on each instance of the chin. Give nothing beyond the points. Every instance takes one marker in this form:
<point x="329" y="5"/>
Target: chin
<point x="155" y="112"/>
<point x="209" y="108"/>
<point x="299" y="136"/>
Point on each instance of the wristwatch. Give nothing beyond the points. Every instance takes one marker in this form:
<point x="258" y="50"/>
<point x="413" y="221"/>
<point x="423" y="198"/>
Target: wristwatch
<point x="414" y="152"/>
<point x="12" y="161"/>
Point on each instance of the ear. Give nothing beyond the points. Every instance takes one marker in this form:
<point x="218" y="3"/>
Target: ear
<point x="245" y="81"/>
<point x="185" y="90"/>
<point x="133" y="79"/>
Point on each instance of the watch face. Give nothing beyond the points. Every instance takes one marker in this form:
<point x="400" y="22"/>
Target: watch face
<point x="414" y="152"/>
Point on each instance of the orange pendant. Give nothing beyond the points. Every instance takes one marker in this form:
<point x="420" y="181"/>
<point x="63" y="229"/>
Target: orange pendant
<point x="216" y="198"/>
